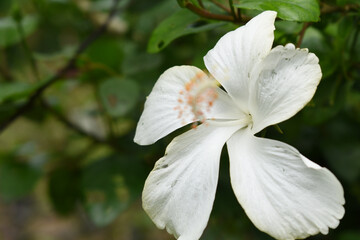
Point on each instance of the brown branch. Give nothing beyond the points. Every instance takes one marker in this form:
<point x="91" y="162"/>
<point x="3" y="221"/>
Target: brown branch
<point x="326" y="8"/>
<point x="71" y="64"/>
<point x="301" y="34"/>
<point x="220" y="5"/>
<point x="206" y="14"/>
<point x="201" y="4"/>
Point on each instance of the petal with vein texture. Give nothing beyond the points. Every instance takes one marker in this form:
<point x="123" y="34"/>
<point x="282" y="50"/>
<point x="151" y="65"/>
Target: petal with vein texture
<point x="282" y="85"/>
<point x="179" y="93"/>
<point x="232" y="59"/>
<point x="180" y="191"/>
<point x="283" y="193"/>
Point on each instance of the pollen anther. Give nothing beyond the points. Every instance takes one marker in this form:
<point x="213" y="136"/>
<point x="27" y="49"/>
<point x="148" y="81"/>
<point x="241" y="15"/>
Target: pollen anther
<point x="197" y="98"/>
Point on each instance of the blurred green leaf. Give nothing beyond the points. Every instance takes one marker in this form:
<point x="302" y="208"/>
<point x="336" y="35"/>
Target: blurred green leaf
<point x="341" y="147"/>
<point x="317" y="42"/>
<point x="5" y="5"/>
<point x="107" y="51"/>
<point x="17" y="179"/>
<point x="11" y="91"/>
<point x="106" y="195"/>
<point x="15" y="90"/>
<point x="109" y="186"/>
<point x="181" y="23"/>
<point x="9" y="34"/>
<point x="344" y="2"/>
<point x="350" y="235"/>
<point x="344" y="158"/>
<point x="288" y="27"/>
<point x="296" y="10"/>
<point x="140" y="62"/>
<point x="327" y="102"/>
<point x="119" y="96"/>
<point x="64" y="190"/>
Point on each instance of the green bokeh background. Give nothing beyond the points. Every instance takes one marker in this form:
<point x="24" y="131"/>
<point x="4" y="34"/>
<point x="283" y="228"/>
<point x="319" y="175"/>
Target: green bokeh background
<point x="69" y="168"/>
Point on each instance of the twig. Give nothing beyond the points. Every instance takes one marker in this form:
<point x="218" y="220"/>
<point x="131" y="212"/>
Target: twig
<point x="228" y="10"/>
<point x="232" y="9"/>
<point x="69" y="66"/>
<point x="206" y="14"/>
<point x="201" y="4"/>
<point x="302" y="33"/>
<point x="326" y="8"/>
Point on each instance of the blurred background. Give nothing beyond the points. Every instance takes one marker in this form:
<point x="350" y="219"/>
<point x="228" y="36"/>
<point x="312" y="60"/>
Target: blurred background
<point x="73" y="88"/>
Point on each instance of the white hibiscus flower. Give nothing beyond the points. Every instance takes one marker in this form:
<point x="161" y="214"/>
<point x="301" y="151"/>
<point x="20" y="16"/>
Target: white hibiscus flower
<point x="282" y="192"/>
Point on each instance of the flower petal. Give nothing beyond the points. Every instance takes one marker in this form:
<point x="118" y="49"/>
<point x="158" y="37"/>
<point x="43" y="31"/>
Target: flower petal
<point x="172" y="104"/>
<point x="282" y="85"/>
<point x="180" y="191"/>
<point x="232" y="59"/>
<point x="283" y="193"/>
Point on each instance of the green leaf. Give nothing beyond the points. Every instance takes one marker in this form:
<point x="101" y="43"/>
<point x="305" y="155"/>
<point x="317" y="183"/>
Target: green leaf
<point x="17" y="179"/>
<point x="13" y="91"/>
<point x="344" y="158"/>
<point x="344" y="2"/>
<point x="350" y="235"/>
<point x="181" y="23"/>
<point x="64" y="190"/>
<point x="341" y="147"/>
<point x="148" y="61"/>
<point x="106" y="194"/>
<point x="119" y="96"/>
<point x="296" y="10"/>
<point x="9" y="34"/>
<point x="107" y="51"/>
<point x="317" y="42"/>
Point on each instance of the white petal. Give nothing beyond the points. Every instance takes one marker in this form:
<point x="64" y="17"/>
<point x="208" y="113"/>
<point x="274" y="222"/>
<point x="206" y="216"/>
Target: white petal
<point x="235" y="54"/>
<point x="171" y="103"/>
<point x="282" y="85"/>
<point x="283" y="193"/>
<point x="180" y="191"/>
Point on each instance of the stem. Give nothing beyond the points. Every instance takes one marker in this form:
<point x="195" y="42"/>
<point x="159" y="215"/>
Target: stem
<point x="232" y="9"/>
<point x="206" y="14"/>
<point x="302" y="33"/>
<point x="27" y="50"/>
<point x="69" y="66"/>
<point x="221" y="6"/>
<point x="201" y="4"/>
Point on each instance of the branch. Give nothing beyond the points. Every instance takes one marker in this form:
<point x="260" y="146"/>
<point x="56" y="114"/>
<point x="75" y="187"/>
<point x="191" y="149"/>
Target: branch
<point x="221" y="6"/>
<point x="206" y="14"/>
<point x="69" y="66"/>
<point x="326" y="8"/>
<point x="302" y="33"/>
